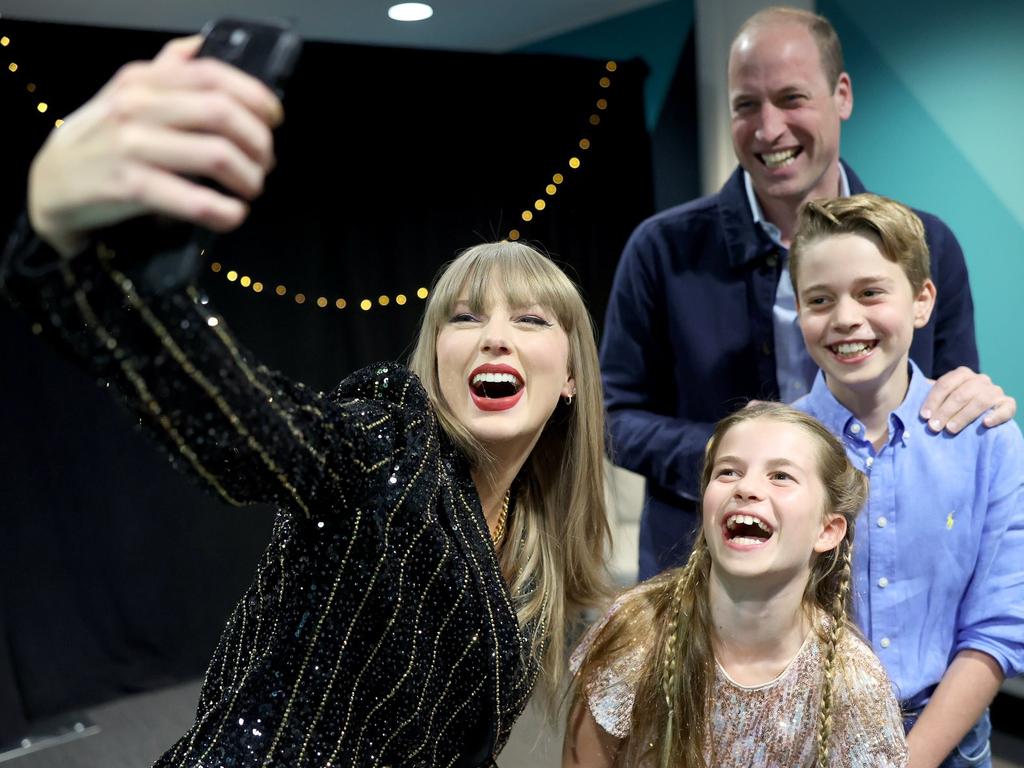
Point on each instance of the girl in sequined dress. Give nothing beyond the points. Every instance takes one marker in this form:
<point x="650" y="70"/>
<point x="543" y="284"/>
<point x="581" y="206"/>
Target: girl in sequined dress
<point x="439" y="525"/>
<point x="745" y="657"/>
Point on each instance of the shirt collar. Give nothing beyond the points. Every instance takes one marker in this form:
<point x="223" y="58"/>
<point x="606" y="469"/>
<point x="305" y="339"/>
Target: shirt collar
<point x="840" y="420"/>
<point x="755" y="207"/>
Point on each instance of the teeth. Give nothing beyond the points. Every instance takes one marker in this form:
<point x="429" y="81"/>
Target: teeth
<point x="494" y="378"/>
<point x="748" y="540"/>
<point x="852" y="348"/>
<point x="735" y="520"/>
<point x="779" y="159"/>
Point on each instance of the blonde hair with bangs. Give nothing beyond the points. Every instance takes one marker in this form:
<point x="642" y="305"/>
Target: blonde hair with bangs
<point x="559" y="567"/>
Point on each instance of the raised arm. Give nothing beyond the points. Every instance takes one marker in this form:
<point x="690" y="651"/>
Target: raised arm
<point x="242" y="430"/>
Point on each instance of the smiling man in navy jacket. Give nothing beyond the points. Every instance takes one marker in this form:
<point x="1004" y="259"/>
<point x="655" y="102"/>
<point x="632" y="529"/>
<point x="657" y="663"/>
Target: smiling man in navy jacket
<point x="701" y="317"/>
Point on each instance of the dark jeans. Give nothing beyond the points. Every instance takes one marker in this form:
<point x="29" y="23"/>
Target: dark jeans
<point x="973" y="750"/>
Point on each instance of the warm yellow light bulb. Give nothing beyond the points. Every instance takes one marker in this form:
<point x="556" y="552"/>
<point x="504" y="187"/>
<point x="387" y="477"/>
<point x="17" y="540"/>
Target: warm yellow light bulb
<point x="400" y="299"/>
<point x="258" y="287"/>
<point x="215" y="267"/>
<point x="604" y="82"/>
<point x="341" y="303"/>
<point x="595" y="119"/>
<point x="602" y="103"/>
<point x="584" y="144"/>
<point x="5" y="41"/>
<point x="58" y="123"/>
<point x="321" y="302"/>
<point x="574" y="162"/>
<point x="527" y="215"/>
<point x="513" y="234"/>
<point x="246" y="281"/>
<point x="365" y="304"/>
<point x="558" y="178"/>
<point x="300" y="298"/>
<point x="13" y="67"/>
<point x="422" y="293"/>
<point x="611" y="66"/>
<point x="232" y="275"/>
<point x="551" y="189"/>
<point x="539" y="205"/>
<point x="42" y="106"/>
<point x="280" y="290"/>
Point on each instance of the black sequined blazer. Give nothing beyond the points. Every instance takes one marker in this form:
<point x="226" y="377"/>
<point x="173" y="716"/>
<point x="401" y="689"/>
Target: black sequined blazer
<point x="378" y="630"/>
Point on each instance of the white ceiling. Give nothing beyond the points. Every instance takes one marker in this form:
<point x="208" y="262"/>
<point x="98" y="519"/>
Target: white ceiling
<point x="473" y="25"/>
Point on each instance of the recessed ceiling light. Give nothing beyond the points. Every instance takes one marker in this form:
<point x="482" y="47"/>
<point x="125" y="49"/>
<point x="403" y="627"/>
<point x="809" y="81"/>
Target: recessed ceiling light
<point x="410" y="12"/>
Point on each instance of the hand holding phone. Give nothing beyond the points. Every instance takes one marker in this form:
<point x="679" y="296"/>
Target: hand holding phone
<point x="139" y="145"/>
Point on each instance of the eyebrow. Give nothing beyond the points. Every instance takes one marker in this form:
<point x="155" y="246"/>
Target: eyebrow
<point x="771" y="463"/>
<point x="858" y="282"/>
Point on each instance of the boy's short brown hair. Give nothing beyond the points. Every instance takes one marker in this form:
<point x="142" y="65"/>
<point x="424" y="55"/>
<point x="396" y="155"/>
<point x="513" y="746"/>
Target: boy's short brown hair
<point x="897" y="228"/>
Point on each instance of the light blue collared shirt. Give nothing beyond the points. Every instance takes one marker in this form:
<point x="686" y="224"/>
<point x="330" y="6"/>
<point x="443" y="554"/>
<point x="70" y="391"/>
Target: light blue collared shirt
<point x="794" y="368"/>
<point x="938" y="561"/>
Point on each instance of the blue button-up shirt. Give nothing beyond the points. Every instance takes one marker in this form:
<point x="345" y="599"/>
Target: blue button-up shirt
<point x="794" y="368"/>
<point x="938" y="561"/>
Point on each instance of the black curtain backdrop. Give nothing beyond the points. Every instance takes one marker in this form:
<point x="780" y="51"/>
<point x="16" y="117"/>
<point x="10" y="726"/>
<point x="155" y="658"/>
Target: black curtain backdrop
<point x="115" y="574"/>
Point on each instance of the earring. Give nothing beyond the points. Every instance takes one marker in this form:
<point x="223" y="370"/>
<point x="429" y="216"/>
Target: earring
<point x="568" y="398"/>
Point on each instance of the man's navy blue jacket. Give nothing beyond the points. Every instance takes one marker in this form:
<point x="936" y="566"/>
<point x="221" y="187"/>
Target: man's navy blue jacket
<point x="688" y="339"/>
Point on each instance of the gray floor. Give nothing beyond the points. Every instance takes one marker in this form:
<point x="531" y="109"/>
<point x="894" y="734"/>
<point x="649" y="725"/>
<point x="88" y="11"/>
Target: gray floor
<point x="135" y="730"/>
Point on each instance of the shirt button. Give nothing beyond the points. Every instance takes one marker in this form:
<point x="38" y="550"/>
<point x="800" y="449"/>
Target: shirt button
<point x="869" y="460"/>
<point x="883" y="582"/>
<point x="882" y="522"/>
<point x="884" y="642"/>
<point x="855" y="428"/>
<point x="772" y="260"/>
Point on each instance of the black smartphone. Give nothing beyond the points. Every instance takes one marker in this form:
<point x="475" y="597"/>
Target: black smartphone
<point x="267" y="50"/>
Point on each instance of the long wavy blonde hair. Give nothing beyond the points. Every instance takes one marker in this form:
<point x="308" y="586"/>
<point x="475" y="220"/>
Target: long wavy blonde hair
<point x="560" y="520"/>
<point x="674" y="694"/>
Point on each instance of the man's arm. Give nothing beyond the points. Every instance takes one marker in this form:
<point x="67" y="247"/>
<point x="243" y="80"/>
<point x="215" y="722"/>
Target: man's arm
<point x="960" y="395"/>
<point x="639" y="384"/>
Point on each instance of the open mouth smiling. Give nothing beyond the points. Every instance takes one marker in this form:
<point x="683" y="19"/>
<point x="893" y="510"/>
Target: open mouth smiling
<point x="849" y="350"/>
<point x="746" y="530"/>
<point x="779" y="159"/>
<point x="495" y="387"/>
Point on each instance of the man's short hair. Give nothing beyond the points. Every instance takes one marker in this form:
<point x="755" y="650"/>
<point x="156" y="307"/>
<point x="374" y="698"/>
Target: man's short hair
<point x="821" y="29"/>
<point x="897" y="228"/>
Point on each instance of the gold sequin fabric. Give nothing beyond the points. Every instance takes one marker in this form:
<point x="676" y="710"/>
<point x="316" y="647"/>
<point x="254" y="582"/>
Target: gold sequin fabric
<point x="774" y="725"/>
<point x="378" y="630"/>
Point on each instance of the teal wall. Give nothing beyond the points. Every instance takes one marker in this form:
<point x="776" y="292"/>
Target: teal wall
<point x="938" y="109"/>
<point x="655" y="34"/>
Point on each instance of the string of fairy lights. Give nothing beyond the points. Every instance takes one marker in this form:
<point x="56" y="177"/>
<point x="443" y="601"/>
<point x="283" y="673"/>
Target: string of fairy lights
<point x="41" y="106"/>
<point x="320" y="299"/>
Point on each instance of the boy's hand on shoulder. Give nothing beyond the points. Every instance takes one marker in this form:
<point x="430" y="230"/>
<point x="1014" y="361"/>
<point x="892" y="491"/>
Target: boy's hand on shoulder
<point x="959" y="397"/>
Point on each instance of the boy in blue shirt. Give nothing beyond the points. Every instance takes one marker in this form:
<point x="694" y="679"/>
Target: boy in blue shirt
<point x="939" y="549"/>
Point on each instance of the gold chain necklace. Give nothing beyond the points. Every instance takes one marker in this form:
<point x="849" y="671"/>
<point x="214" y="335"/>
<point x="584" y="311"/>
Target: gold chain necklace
<point x="499" y="530"/>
